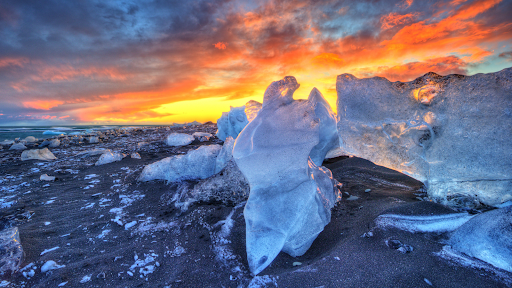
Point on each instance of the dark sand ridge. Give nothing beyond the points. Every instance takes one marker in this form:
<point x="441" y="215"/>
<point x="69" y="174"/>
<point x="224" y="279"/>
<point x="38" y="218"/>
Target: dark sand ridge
<point x="195" y="248"/>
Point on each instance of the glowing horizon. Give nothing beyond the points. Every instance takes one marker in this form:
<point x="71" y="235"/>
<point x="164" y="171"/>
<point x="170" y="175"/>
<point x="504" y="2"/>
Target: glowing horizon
<point x="153" y="63"/>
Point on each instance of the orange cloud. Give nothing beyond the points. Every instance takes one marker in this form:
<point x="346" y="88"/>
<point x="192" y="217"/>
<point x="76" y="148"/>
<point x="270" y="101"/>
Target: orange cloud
<point x="410" y="71"/>
<point x="220" y="45"/>
<point x="42" y="104"/>
<point x="4" y="62"/>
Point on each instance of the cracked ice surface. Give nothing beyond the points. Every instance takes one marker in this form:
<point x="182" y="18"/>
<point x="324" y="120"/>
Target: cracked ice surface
<point x="453" y="133"/>
<point x="291" y="197"/>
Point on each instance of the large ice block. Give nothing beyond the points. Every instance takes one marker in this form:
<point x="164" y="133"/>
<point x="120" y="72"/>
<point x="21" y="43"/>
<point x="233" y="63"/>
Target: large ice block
<point x="291" y="197"/>
<point x="453" y="133"/>
<point x="232" y="122"/>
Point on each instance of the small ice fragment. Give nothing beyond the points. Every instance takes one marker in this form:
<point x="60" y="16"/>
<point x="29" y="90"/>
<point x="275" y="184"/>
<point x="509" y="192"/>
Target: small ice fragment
<point x="129" y="273"/>
<point x="427" y="281"/>
<point x="47" y="223"/>
<point x="109" y="157"/>
<point x="45" y="177"/>
<point x="337" y="258"/>
<point x="296" y="264"/>
<point x="49" y="250"/>
<point x="179" y="139"/>
<point x="86" y="278"/>
<point x="352" y="198"/>
<point x="135" y="155"/>
<point x="368" y="190"/>
<point x="367" y="234"/>
<point x="62" y="284"/>
<point x="50" y="265"/>
<point x="130" y="225"/>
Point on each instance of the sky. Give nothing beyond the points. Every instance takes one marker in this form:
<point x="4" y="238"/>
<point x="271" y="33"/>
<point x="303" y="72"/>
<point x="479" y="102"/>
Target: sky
<point x="158" y="62"/>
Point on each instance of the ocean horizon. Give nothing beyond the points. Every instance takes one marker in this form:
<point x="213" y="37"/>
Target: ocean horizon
<point x="21" y="132"/>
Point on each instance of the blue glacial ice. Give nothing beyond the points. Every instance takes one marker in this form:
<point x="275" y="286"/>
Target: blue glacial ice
<point x="232" y="122"/>
<point x="453" y="133"/>
<point x="291" y="197"/>
<point x="179" y="139"/>
<point x="196" y="164"/>
<point x="488" y="237"/>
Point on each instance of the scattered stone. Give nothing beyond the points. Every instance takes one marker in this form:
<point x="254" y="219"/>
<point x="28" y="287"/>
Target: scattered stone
<point x="18" y="146"/>
<point x="37" y="154"/>
<point x="398" y="245"/>
<point x="45" y="177"/>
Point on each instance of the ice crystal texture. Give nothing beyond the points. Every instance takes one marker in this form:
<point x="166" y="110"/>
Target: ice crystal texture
<point x="453" y="132"/>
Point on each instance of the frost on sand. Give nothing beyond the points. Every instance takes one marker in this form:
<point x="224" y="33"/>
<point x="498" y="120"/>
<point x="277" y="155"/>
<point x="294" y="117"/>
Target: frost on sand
<point x="279" y="153"/>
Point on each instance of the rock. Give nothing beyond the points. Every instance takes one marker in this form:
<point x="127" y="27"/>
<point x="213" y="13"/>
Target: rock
<point x="54" y="143"/>
<point x="30" y="139"/>
<point x="179" y="139"/>
<point x="37" y="154"/>
<point x="18" y="146"/>
<point x="196" y="164"/>
<point x="45" y="177"/>
<point x="109" y="157"/>
<point x="290" y="197"/>
<point x="488" y="237"/>
<point x="449" y="132"/>
<point x="232" y="122"/>
<point x="11" y="251"/>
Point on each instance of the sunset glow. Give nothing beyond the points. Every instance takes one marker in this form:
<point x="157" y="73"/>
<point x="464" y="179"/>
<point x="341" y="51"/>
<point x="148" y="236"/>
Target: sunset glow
<point x="158" y="62"/>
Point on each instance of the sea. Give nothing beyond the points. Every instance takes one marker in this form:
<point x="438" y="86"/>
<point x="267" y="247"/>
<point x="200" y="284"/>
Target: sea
<point x="44" y="132"/>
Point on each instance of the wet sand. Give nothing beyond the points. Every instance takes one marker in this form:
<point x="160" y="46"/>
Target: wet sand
<point x="82" y="211"/>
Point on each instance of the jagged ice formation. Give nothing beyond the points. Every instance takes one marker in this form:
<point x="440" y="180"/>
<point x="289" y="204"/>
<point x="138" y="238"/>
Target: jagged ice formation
<point x="279" y="153"/>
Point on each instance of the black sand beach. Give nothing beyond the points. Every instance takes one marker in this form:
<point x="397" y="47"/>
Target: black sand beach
<point x="76" y="221"/>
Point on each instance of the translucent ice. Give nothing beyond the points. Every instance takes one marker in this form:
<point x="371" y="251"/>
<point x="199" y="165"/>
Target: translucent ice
<point x="225" y="154"/>
<point x="453" y="132"/>
<point x="232" y="122"/>
<point x="196" y="164"/>
<point x="37" y="154"/>
<point x="109" y="157"/>
<point x="11" y="251"/>
<point x="488" y="237"/>
<point x="179" y="139"/>
<point x="291" y="197"/>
